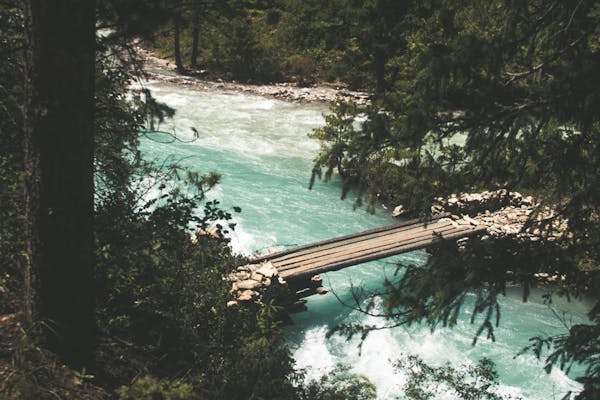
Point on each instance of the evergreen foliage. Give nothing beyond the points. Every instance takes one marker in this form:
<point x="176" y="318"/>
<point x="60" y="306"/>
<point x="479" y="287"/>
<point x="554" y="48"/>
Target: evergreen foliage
<point x="486" y="95"/>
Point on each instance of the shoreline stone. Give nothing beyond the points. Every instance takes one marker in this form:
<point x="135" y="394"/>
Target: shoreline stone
<point x="261" y="282"/>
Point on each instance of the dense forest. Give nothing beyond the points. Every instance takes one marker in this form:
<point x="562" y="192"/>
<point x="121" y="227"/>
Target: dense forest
<point x="104" y="295"/>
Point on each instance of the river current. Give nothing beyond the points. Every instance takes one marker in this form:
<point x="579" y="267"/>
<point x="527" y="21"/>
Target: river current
<point x="261" y="149"/>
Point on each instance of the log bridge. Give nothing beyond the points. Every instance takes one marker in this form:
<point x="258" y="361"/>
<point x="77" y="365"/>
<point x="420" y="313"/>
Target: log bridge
<point x="298" y="265"/>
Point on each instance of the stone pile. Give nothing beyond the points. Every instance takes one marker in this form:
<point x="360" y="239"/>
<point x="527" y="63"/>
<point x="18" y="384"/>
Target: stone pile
<point x="248" y="281"/>
<point x="478" y="203"/>
<point x="259" y="282"/>
<point x="504" y="213"/>
<point x="282" y="91"/>
<point x="292" y="93"/>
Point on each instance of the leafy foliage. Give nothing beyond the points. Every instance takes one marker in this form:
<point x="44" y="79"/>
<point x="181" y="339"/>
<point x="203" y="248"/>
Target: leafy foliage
<point x="152" y="388"/>
<point x="339" y="384"/>
<point x="468" y="382"/>
<point x="162" y="299"/>
<point x="303" y="41"/>
<point x="437" y="293"/>
<point x="164" y="302"/>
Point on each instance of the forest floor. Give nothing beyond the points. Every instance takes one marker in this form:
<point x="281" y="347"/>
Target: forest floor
<point x="30" y="372"/>
<point x="165" y="70"/>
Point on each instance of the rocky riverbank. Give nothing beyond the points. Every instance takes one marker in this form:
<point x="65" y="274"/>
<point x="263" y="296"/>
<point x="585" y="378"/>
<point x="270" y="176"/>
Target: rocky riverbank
<point x="164" y="70"/>
<point x="504" y="213"/>
<point x="261" y="283"/>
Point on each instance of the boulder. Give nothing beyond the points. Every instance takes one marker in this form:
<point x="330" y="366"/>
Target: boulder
<point x="399" y="210"/>
<point x="242" y="275"/>
<point x="256" y="276"/>
<point x="267" y="270"/>
<point x="248" y="284"/>
<point x="246" y="295"/>
<point x="316" y="280"/>
<point x="321" y="290"/>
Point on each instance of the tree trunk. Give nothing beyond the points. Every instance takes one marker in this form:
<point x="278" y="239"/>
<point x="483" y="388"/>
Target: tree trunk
<point x="379" y="70"/>
<point x="58" y="133"/>
<point x="176" y="46"/>
<point x="195" y="38"/>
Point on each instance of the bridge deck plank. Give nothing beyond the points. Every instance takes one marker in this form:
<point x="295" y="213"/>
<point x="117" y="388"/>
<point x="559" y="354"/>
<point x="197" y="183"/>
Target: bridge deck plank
<point x="337" y="253"/>
<point x="366" y="246"/>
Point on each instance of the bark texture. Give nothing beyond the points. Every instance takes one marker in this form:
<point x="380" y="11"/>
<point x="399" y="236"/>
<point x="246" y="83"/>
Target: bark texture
<point x="177" y="45"/>
<point x="58" y="132"/>
<point x="195" y="38"/>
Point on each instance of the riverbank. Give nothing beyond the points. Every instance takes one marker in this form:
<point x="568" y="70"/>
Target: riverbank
<point x="164" y="70"/>
<point x="504" y="213"/>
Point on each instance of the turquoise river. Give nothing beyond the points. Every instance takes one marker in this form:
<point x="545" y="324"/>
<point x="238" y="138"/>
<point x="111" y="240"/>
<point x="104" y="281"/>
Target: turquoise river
<point x="261" y="149"/>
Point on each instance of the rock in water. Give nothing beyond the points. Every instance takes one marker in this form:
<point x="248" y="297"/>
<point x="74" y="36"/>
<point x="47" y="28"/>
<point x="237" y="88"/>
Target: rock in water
<point x="399" y="210"/>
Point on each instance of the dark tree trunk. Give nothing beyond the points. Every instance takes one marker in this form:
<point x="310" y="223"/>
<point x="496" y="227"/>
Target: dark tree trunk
<point x="379" y="70"/>
<point x="58" y="130"/>
<point x="176" y="46"/>
<point x="195" y="38"/>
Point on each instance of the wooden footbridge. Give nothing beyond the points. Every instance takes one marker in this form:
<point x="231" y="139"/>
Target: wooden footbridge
<point x="301" y="263"/>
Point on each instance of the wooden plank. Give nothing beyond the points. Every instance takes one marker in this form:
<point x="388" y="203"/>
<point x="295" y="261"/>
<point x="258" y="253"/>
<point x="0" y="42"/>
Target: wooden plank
<point x="344" y="242"/>
<point x="265" y="257"/>
<point x="355" y="251"/>
<point x="368" y="245"/>
<point x="363" y="250"/>
<point x="367" y="240"/>
<point x="307" y="273"/>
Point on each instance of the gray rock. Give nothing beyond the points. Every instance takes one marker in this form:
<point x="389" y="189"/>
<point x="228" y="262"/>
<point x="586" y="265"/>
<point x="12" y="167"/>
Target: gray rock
<point x="321" y="290"/>
<point x="399" y="210"/>
<point x="242" y="275"/>
<point x="267" y="270"/>
<point x="246" y="295"/>
<point x="248" y="284"/>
